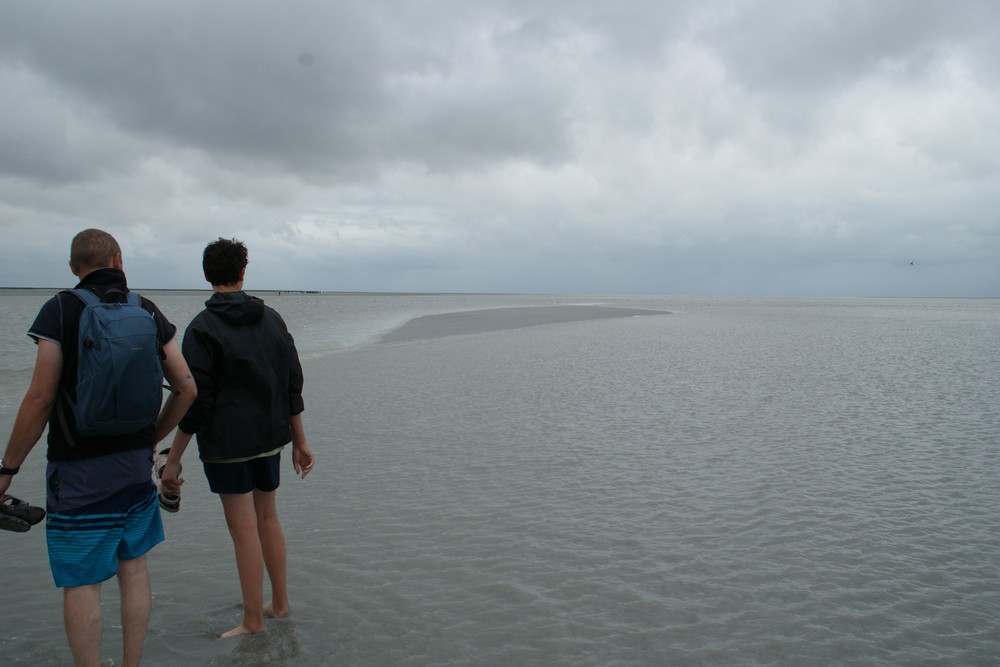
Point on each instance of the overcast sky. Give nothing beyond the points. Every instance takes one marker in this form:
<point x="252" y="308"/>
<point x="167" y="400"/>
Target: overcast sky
<point x="708" y="147"/>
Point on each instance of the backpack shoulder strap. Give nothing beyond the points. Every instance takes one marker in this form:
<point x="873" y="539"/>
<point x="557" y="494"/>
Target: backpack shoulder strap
<point x="65" y="398"/>
<point x="85" y="295"/>
<point x="89" y="297"/>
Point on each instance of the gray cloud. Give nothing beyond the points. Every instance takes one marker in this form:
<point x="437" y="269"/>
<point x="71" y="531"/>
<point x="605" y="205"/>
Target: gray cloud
<point x="697" y="147"/>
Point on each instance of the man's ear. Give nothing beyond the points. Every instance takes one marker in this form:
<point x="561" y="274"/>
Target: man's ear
<point x="116" y="262"/>
<point x="73" y="269"/>
<point x="243" y="273"/>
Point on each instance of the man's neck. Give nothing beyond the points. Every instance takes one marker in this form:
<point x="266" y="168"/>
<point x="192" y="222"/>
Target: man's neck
<point x="235" y="287"/>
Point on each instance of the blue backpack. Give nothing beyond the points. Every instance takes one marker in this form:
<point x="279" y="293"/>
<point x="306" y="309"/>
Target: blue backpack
<point x="119" y="376"/>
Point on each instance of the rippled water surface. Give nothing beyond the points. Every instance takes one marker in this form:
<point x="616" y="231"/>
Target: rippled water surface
<point x="693" y="482"/>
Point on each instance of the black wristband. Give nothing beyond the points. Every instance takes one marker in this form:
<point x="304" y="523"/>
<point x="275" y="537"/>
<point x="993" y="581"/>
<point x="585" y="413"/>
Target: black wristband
<point x="4" y="470"/>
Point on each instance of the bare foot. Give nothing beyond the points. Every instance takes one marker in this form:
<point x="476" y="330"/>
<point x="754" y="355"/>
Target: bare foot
<point x="275" y="612"/>
<point x="239" y="630"/>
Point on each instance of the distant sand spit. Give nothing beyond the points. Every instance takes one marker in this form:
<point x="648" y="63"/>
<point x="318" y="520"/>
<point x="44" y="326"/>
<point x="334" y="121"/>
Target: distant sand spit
<point x="500" y="319"/>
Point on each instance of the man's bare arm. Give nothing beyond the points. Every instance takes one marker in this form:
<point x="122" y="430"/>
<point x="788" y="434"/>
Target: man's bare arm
<point x="33" y="415"/>
<point x="184" y="390"/>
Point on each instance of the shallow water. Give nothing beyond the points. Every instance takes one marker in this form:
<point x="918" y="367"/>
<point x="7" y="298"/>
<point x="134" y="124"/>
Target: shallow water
<point x="737" y="481"/>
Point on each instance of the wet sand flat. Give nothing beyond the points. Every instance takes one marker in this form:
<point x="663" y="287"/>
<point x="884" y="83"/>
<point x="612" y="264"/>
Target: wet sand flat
<point x="500" y="319"/>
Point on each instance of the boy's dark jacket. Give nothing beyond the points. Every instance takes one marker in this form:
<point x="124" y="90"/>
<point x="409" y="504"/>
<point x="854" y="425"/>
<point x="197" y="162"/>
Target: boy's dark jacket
<point x="248" y="374"/>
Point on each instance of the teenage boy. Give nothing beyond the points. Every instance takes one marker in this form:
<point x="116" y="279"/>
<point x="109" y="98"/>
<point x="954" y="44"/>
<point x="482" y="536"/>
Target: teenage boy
<point x="248" y="408"/>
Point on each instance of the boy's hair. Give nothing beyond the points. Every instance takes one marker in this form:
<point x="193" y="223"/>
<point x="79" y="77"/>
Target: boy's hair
<point x="92" y="249"/>
<point x="223" y="260"/>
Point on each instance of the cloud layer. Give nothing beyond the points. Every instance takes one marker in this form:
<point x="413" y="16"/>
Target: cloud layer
<point x="771" y="147"/>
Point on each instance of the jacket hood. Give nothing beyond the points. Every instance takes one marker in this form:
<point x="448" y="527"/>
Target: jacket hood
<point x="237" y="308"/>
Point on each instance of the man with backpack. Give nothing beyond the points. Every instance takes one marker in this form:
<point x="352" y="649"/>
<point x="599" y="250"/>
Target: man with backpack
<point x="97" y="383"/>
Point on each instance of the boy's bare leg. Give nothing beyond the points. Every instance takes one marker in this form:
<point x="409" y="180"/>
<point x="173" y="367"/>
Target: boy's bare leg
<point x="136" y="603"/>
<point x="272" y="542"/>
<point x="242" y="522"/>
<point x="82" y="618"/>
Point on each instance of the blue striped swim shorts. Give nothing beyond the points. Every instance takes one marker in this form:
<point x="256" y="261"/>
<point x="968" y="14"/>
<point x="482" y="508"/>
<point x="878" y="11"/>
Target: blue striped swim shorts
<point x="86" y="542"/>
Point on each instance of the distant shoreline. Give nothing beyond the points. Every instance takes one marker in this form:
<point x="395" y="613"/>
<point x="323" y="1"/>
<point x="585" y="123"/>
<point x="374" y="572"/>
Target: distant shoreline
<point x="205" y="290"/>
